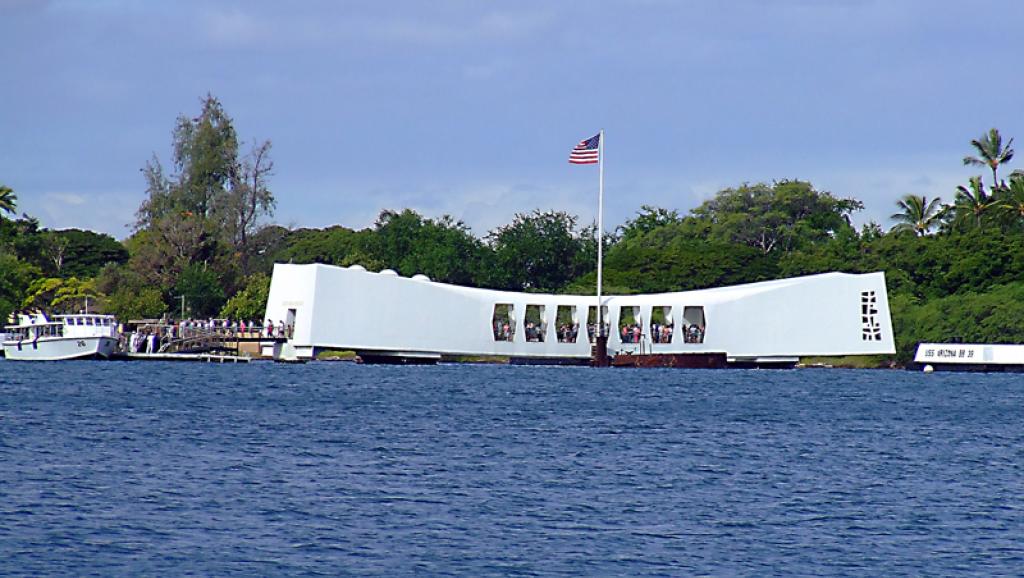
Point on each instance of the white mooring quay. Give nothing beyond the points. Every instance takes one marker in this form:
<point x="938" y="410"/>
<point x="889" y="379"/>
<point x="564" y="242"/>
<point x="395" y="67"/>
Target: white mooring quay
<point x="981" y="357"/>
<point x="385" y="315"/>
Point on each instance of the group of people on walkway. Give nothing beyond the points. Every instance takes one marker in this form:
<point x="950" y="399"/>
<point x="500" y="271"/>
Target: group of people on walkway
<point x="242" y="327"/>
<point x="568" y="333"/>
<point x="150" y="338"/>
<point x="144" y="341"/>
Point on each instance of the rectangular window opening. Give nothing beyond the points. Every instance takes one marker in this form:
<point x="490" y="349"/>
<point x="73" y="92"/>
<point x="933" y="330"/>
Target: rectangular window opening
<point x="694" y="325"/>
<point x="629" y="324"/>
<point x="535" y="325"/>
<point x="503" y="322"/>
<point x="662" y="324"/>
<point x="567" y="323"/>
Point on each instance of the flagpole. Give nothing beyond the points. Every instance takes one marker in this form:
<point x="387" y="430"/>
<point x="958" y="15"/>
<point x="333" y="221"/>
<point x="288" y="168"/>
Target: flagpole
<point x="600" y="225"/>
<point x="601" y="353"/>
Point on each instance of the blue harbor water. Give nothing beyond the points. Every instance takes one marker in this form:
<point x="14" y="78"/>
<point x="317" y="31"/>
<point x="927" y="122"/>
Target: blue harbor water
<point x="332" y="468"/>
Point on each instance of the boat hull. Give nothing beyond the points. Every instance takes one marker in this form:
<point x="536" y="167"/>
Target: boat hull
<point x="60" y="348"/>
<point x="684" y="360"/>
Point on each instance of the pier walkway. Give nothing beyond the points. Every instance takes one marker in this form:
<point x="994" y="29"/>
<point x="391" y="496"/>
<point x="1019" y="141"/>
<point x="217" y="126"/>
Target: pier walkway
<point x="177" y="340"/>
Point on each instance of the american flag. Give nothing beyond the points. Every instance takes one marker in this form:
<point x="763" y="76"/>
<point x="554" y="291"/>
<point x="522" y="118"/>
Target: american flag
<point x="586" y="153"/>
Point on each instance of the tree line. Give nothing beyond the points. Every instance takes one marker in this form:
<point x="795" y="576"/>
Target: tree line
<point x="203" y="245"/>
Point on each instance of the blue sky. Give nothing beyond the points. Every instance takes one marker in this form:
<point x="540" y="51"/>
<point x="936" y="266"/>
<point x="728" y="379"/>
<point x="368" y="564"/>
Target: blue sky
<point x="471" y="107"/>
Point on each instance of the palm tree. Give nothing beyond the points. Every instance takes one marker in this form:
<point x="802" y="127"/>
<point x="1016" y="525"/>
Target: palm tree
<point x="917" y="214"/>
<point x="991" y="152"/>
<point x="1011" y="199"/>
<point x="972" y="204"/>
<point x="8" y="200"/>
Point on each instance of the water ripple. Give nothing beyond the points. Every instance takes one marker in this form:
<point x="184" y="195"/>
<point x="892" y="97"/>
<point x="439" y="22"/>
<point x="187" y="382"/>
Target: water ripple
<point x="326" y="469"/>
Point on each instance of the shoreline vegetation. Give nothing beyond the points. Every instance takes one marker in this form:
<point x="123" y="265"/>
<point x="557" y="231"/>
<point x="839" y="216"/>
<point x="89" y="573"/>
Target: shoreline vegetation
<point x="203" y="246"/>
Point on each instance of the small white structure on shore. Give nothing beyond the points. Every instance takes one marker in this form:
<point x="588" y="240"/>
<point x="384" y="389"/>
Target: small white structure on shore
<point x="386" y="315"/>
<point x="970" y="357"/>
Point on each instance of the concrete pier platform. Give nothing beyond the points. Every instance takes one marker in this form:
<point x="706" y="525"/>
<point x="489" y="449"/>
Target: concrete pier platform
<point x="201" y="357"/>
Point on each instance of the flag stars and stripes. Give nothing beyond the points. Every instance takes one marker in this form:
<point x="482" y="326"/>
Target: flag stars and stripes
<point x="587" y="152"/>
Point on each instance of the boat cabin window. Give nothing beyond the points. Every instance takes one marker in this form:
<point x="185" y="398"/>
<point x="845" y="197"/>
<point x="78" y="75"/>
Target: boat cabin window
<point x="567" y="323"/>
<point x="50" y="330"/>
<point x="592" y="329"/>
<point x="535" y="325"/>
<point x="503" y="322"/>
<point x="694" y="325"/>
<point x="629" y="324"/>
<point x="661" y="324"/>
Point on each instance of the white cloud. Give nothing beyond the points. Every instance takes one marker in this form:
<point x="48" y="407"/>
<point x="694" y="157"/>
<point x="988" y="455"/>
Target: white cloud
<point x="447" y="28"/>
<point x="107" y="213"/>
<point x="232" y="27"/>
<point x="880" y="187"/>
<point x="72" y="199"/>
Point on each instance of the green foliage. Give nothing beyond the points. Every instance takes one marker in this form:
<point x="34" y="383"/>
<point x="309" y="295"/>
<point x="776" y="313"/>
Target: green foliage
<point x="648" y="219"/>
<point x="198" y="235"/>
<point x="1010" y="203"/>
<point x="113" y="277"/>
<point x="251" y="302"/>
<point x="23" y="238"/>
<point x="973" y="205"/>
<point x="780" y="217"/>
<point x="847" y="253"/>
<point x="991" y="153"/>
<point x="333" y="246"/>
<point x="996" y="316"/>
<point x="540" y="251"/>
<point x="41" y="293"/>
<point x="66" y="253"/>
<point x="264" y="248"/>
<point x="668" y="259"/>
<point x="15" y="278"/>
<point x="209" y="210"/>
<point x="75" y="295"/>
<point x="203" y="293"/>
<point x="442" y="249"/>
<point x="8" y="200"/>
<point x="145" y="303"/>
<point x="205" y="158"/>
<point x="78" y="253"/>
<point x="335" y="355"/>
<point x="129" y="296"/>
<point x="849" y="361"/>
<point x="917" y="215"/>
<point x="56" y="295"/>
<point x="160" y="253"/>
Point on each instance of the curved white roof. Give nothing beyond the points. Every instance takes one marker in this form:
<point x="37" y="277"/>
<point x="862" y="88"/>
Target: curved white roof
<point x="332" y="307"/>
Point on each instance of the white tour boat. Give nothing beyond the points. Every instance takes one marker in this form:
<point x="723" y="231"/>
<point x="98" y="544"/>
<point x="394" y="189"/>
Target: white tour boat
<point x="79" y="336"/>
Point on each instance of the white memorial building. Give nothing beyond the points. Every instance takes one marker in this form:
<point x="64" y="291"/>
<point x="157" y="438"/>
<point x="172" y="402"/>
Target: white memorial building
<point x="384" y="315"/>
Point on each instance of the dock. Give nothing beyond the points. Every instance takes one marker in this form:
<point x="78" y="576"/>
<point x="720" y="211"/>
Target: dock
<point x="969" y="357"/>
<point x="201" y="357"/>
